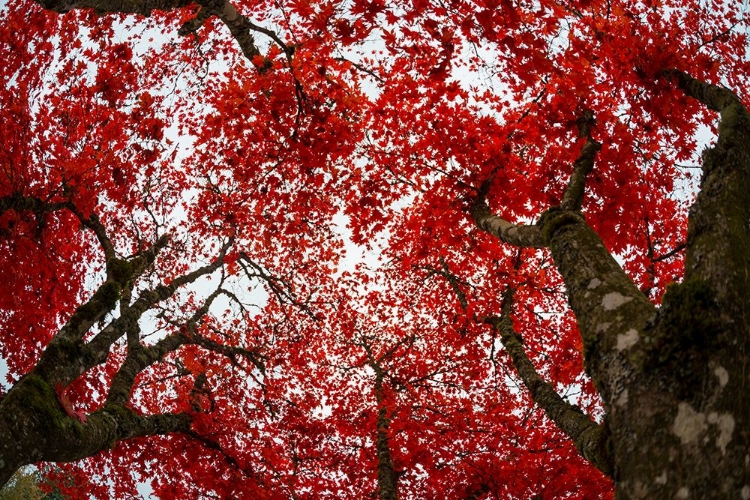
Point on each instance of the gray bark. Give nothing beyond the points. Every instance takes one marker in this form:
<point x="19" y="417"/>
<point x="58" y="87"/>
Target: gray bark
<point x="674" y="380"/>
<point x="590" y="438"/>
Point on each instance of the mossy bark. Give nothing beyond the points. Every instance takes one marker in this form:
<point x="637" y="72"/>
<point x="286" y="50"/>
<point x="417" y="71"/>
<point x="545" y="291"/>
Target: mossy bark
<point x="674" y="383"/>
<point x="35" y="427"/>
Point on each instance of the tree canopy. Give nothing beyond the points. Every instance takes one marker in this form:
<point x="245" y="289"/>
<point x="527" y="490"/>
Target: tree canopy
<point x="347" y="249"/>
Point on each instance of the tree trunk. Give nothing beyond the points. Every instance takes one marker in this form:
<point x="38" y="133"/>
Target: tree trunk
<point x="387" y="476"/>
<point x="675" y="382"/>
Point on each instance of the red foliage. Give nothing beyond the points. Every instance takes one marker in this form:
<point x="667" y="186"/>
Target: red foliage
<point x="64" y="400"/>
<point x="369" y="130"/>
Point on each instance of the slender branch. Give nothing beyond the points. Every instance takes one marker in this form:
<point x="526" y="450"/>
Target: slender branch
<point x="455" y="284"/>
<point x="679" y="248"/>
<point x="231" y="352"/>
<point x="148" y="299"/>
<point x="363" y="69"/>
<point x="239" y="26"/>
<point x="281" y="288"/>
<point x="92" y="222"/>
<point x="38" y="206"/>
<point x="233" y="462"/>
<point x="573" y="196"/>
<point x="454" y="281"/>
<point x="589" y="437"/>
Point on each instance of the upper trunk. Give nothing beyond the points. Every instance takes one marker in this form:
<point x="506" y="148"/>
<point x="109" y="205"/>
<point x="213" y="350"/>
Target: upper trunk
<point x="673" y="380"/>
<point x="674" y="383"/>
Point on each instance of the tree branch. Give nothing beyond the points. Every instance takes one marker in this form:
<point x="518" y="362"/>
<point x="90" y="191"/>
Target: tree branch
<point x="280" y="287"/>
<point x="718" y="233"/>
<point x="454" y="281"/>
<point x="21" y="203"/>
<point x="146" y="300"/>
<point x="239" y="26"/>
<point x="35" y="427"/>
<point x="532" y="236"/>
<point x="573" y="196"/>
<point x="141" y="7"/>
<point x="387" y="475"/>
<point x="513" y="234"/>
<point x="589" y="437"/>
<point x="92" y="222"/>
<point x="67" y="357"/>
<point x="610" y="310"/>
<point x="140" y="357"/>
<point x="233" y="462"/>
<point x="714" y="97"/>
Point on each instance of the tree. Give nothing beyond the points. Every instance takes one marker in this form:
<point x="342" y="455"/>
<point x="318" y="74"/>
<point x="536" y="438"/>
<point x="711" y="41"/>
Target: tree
<point x="22" y="486"/>
<point x="28" y="484"/>
<point x="177" y="310"/>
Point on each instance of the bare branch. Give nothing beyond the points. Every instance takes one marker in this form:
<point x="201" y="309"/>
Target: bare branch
<point x="39" y="206"/>
<point x="363" y="69"/>
<point x="679" y="248"/>
<point x="239" y="26"/>
<point x="233" y="462"/>
<point x="280" y="287"/>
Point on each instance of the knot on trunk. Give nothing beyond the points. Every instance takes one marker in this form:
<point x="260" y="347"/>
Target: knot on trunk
<point x="556" y="218"/>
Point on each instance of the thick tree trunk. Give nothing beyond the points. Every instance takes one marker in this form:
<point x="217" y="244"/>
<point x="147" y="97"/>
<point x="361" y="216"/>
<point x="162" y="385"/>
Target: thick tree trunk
<point x="675" y="383"/>
<point x="675" y="380"/>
